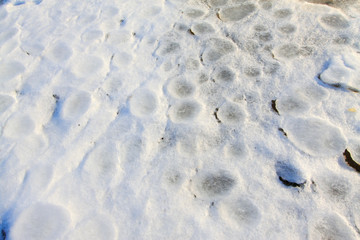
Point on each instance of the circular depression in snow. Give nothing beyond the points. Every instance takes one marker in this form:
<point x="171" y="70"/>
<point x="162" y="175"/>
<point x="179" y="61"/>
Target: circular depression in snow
<point x="10" y="70"/>
<point x="76" y="105"/>
<point x="98" y="227"/>
<point x="241" y="211"/>
<point x="214" y="184"/>
<point x="19" y="125"/>
<point x="184" y="111"/>
<point x="41" y="222"/>
<point x="143" y="103"/>
<point x="315" y="136"/>
<point x="231" y="114"/>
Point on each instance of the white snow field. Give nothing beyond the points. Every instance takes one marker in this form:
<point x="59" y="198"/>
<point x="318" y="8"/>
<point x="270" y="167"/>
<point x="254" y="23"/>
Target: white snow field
<point x="179" y="119"/>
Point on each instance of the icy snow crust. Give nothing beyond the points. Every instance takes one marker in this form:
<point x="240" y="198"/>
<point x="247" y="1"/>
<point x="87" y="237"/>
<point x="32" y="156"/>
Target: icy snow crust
<point x="179" y="119"/>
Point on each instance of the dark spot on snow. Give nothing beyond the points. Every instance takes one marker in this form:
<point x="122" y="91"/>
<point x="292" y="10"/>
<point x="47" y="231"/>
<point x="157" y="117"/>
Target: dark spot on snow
<point x="216" y="116"/>
<point x="282" y="131"/>
<point x="3" y="234"/>
<point x="191" y="32"/>
<point x="273" y="106"/>
<point x="350" y="161"/>
<point x="56" y="97"/>
<point x="352" y="89"/>
<point x="217" y="184"/>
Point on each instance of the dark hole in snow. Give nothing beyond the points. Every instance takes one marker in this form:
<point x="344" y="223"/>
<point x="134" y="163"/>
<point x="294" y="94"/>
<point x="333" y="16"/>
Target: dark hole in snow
<point x="216" y="116"/>
<point x="350" y="161"/>
<point x="273" y="106"/>
<point x="282" y="131"/>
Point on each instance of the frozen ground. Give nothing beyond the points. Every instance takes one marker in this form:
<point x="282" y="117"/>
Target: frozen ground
<point x="179" y="119"/>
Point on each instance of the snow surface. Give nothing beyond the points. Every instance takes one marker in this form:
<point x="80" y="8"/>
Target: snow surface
<point x="179" y="119"/>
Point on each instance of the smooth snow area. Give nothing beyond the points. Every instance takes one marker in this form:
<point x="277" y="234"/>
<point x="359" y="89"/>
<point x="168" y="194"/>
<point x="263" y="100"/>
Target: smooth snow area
<point x="179" y="119"/>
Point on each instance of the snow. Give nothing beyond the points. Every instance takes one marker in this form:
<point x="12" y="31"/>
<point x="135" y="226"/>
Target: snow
<point x="179" y="119"/>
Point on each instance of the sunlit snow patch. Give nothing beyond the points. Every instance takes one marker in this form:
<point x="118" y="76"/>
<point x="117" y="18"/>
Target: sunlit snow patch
<point x="343" y="72"/>
<point x="315" y="136"/>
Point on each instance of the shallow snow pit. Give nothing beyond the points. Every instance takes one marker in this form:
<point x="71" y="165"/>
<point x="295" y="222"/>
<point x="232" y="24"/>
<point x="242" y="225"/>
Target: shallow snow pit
<point x="143" y="103"/>
<point x="266" y="5"/>
<point x="239" y="1"/>
<point x="173" y="178"/>
<point x="287" y="28"/>
<point x="186" y="147"/>
<point x="355" y="207"/>
<point x="260" y="28"/>
<point x="282" y="13"/>
<point x="18" y="126"/>
<point x="216" y="48"/>
<point x="9" y="70"/>
<point x="289" y="175"/>
<point x="335" y="21"/>
<point x="342" y="40"/>
<point x="264" y="36"/>
<point x="91" y="35"/>
<point x="41" y="221"/>
<point x="113" y="84"/>
<point x="151" y="11"/>
<point x="122" y="59"/>
<point x="87" y="65"/>
<point x="214" y="184"/>
<point x="224" y="75"/>
<point x="3" y="13"/>
<point x="231" y="114"/>
<point x="31" y="147"/>
<point x="241" y="211"/>
<point x="5" y="103"/>
<point x="180" y="88"/>
<point x="202" y="28"/>
<point x="221" y="45"/>
<point x="102" y="163"/>
<point x="217" y="3"/>
<point x="184" y="111"/>
<point x="109" y="11"/>
<point x="236" y="13"/>
<point x="192" y="64"/>
<point x="335" y="187"/>
<point x="336" y="3"/>
<point x="7" y="35"/>
<point x="292" y="105"/>
<point x="287" y="51"/>
<point x="32" y="49"/>
<point x="60" y="52"/>
<point x="236" y="150"/>
<point x="330" y="226"/>
<point x="313" y="93"/>
<point x="118" y="37"/>
<point x="76" y="105"/>
<point x="252" y="71"/>
<point x="98" y="227"/>
<point x="168" y="48"/>
<point x="194" y="13"/>
<point x="315" y="136"/>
